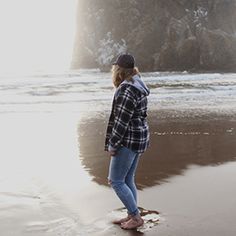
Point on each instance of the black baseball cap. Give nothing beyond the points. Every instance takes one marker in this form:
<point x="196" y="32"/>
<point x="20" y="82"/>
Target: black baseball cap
<point x="125" y="61"/>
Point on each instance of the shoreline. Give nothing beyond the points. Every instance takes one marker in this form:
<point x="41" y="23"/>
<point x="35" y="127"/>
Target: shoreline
<point x="57" y="171"/>
<point x="190" y="71"/>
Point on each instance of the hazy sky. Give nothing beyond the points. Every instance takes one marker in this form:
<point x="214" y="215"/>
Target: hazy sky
<point x="36" y="34"/>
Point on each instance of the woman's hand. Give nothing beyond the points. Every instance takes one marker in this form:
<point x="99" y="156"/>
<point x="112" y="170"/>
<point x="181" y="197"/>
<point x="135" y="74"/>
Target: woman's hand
<point x="112" y="153"/>
<point x="111" y="150"/>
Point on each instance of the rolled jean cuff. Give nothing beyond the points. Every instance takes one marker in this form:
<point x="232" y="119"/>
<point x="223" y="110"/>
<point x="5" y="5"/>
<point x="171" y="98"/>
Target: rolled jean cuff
<point x="134" y="213"/>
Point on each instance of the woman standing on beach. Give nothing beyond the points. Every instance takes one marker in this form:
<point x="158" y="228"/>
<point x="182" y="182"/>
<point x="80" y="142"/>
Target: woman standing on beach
<point x="127" y="135"/>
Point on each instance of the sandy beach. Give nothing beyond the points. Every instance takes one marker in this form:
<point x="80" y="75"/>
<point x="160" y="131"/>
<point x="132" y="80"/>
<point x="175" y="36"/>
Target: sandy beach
<point x="53" y="170"/>
<point x="60" y="66"/>
<point x="53" y="180"/>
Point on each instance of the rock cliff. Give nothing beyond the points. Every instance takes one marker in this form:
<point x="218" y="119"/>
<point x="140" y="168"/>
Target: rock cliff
<point x="161" y="34"/>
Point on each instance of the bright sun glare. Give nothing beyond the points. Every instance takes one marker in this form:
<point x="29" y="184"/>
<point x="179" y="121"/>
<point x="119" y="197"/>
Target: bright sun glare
<point x="36" y="35"/>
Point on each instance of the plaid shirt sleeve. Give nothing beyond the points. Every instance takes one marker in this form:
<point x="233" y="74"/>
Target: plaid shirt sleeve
<point x="124" y="109"/>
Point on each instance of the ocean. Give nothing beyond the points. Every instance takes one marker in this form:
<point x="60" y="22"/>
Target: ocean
<point x="90" y="89"/>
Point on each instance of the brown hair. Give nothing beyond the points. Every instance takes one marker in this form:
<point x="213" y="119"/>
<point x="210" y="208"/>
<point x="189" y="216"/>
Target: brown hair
<point x="119" y="74"/>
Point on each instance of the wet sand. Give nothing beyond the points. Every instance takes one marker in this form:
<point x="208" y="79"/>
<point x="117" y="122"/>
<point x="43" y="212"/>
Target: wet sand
<point x="53" y="177"/>
<point x="176" y="143"/>
<point x="186" y="174"/>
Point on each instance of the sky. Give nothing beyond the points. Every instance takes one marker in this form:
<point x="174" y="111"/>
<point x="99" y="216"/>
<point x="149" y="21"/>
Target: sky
<point x="36" y="35"/>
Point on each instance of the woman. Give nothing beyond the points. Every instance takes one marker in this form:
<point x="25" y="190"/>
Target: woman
<point x="127" y="135"/>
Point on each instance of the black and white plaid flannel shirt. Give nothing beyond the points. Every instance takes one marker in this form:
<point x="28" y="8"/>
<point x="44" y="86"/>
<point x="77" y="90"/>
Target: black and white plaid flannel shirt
<point x="127" y="124"/>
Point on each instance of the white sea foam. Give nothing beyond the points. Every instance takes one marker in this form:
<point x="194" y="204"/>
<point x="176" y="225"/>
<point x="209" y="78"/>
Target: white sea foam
<point x="88" y="89"/>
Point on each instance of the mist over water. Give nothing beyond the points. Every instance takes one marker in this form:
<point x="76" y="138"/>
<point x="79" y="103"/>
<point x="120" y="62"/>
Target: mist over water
<point x="36" y="35"/>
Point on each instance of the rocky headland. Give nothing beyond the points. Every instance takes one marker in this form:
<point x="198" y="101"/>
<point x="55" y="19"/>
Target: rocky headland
<point x="173" y="35"/>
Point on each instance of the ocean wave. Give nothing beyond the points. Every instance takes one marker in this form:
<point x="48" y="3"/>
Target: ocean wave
<point x="168" y="90"/>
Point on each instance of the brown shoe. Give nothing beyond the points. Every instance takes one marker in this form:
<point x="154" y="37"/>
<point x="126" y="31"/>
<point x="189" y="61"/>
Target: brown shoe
<point x="133" y="223"/>
<point x="123" y="220"/>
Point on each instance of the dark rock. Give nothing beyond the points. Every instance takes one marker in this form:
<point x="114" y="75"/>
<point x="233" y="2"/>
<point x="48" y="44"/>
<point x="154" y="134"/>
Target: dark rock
<point x="161" y="34"/>
<point x="170" y="56"/>
<point x="189" y="54"/>
<point x="217" y="49"/>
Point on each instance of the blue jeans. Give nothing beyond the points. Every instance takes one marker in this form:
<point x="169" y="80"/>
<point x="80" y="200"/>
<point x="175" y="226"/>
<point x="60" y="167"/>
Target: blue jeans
<point x="121" y="177"/>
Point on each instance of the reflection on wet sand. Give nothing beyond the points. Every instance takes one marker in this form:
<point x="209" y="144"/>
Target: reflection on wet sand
<point x="175" y="144"/>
